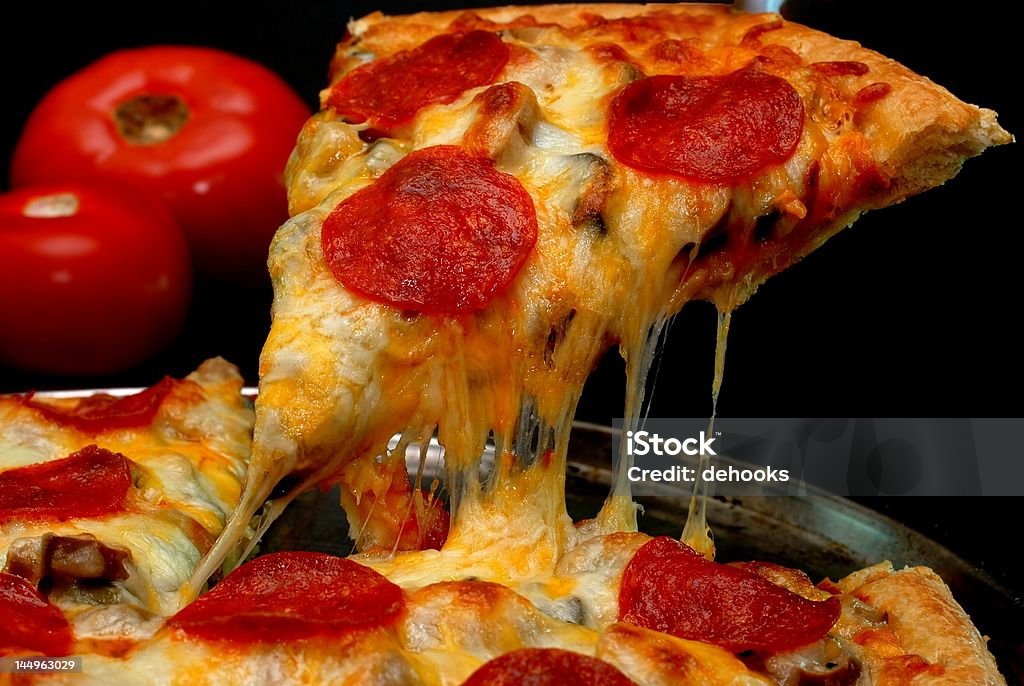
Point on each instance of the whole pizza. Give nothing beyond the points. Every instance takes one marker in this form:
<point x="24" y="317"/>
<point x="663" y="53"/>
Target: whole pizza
<point x="486" y="202"/>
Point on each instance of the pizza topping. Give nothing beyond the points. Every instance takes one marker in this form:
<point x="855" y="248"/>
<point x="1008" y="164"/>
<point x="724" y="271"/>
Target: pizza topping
<point x="825" y="663"/>
<point x="871" y="92"/>
<point x="67" y="558"/>
<point x="30" y="623"/>
<point x="89" y="483"/>
<point x="426" y="524"/>
<point x="843" y="68"/>
<point x="291" y="596"/>
<point x="439" y="232"/>
<point x="103" y="412"/>
<point x="788" y="578"/>
<point x="610" y="52"/>
<point x="506" y="116"/>
<point x="780" y="55"/>
<point x="390" y="91"/>
<point x="716" y="129"/>
<point x="596" y="183"/>
<point x="392" y="515"/>
<point x="547" y="667"/>
<point x="668" y="587"/>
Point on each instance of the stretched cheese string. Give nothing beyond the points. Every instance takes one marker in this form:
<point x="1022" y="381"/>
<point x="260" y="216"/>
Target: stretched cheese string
<point x="696" y="532"/>
<point x="239" y="537"/>
<point x="619" y="510"/>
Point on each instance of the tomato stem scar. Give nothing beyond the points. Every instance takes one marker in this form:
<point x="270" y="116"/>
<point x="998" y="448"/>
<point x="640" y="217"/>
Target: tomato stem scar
<point x="150" y="119"/>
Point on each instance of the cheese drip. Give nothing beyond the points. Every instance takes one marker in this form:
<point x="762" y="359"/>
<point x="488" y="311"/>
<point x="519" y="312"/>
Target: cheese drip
<point x="619" y="510"/>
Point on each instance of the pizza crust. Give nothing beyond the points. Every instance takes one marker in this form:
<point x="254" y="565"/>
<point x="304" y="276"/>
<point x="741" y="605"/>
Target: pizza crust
<point x="928" y="622"/>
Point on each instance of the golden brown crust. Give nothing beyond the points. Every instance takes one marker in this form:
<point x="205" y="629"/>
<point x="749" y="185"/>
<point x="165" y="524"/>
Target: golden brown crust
<point x="928" y="623"/>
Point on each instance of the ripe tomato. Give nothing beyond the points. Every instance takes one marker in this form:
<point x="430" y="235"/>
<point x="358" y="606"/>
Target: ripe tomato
<point x="206" y="131"/>
<point x="93" y="279"/>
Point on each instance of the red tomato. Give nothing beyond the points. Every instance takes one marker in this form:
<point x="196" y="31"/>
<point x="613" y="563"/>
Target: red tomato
<point x="207" y="131"/>
<point x="93" y="279"/>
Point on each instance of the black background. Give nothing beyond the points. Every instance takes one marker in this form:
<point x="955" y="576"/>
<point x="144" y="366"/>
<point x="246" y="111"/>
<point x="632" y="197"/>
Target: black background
<point x="913" y="312"/>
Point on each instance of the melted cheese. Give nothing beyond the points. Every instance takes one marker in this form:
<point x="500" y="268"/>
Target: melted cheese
<point x="696" y="532"/>
<point x="190" y="464"/>
<point x="163" y="555"/>
<point x="643" y="656"/>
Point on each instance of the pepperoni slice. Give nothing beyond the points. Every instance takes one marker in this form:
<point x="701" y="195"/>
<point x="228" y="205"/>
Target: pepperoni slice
<point x="30" y="623"/>
<point x="547" y="667"/>
<point x="715" y="129"/>
<point x="292" y="595"/>
<point x="668" y="587"/>
<point x="440" y="231"/>
<point x="871" y="92"/>
<point x="390" y="91"/>
<point x="89" y="483"/>
<point x="844" y="68"/>
<point x="426" y="530"/>
<point x="102" y="412"/>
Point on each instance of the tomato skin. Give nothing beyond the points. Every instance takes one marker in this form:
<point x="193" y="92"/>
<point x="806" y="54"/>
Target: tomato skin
<point x="96" y="291"/>
<point x="221" y="173"/>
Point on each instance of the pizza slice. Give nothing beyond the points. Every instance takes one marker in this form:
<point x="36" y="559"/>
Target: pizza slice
<point x="108" y="503"/>
<point x="488" y="200"/>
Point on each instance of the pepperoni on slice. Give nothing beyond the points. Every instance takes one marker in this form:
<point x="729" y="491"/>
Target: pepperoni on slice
<point x="871" y="92"/>
<point x="89" y="483"/>
<point x="547" y="667"/>
<point x="30" y="623"/>
<point x="843" y="68"/>
<point x="425" y="529"/>
<point x="715" y="129"/>
<point x="102" y="412"/>
<point x="668" y="587"/>
<point x="289" y="596"/>
<point x="390" y="91"/>
<point x="441" y="231"/>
